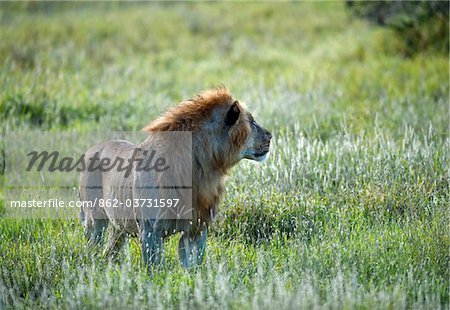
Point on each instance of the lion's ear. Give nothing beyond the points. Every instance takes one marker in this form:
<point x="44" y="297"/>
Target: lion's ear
<point x="233" y="114"/>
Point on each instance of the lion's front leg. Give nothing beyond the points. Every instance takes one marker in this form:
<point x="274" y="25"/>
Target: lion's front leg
<point x="152" y="244"/>
<point x="191" y="248"/>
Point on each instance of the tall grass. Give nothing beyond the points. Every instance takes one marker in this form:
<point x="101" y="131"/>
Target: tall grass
<point x="349" y="211"/>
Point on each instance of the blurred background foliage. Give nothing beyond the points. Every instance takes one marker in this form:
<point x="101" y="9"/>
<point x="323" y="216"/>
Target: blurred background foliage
<point x="90" y="65"/>
<point x="421" y="24"/>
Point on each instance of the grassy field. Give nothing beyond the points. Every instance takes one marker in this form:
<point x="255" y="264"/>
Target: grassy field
<point x="351" y="209"/>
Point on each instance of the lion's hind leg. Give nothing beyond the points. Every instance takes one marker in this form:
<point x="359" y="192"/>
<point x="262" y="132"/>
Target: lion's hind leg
<point x="116" y="241"/>
<point x="96" y="234"/>
<point x="94" y="219"/>
<point x="95" y="222"/>
<point x="191" y="248"/>
<point x="94" y="229"/>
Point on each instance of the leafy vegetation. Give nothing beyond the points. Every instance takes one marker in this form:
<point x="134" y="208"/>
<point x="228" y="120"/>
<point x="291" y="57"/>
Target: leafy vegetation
<point x="421" y="24"/>
<point x="349" y="211"/>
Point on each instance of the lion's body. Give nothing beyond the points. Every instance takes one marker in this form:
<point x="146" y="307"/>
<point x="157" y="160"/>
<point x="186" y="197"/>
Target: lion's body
<point x="222" y="134"/>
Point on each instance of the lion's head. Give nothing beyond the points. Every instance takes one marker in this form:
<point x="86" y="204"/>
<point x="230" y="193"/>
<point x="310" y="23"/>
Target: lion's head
<point x="258" y="142"/>
<point x="223" y="132"/>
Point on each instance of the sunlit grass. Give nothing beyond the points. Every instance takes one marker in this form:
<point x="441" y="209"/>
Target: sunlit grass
<point x="351" y="207"/>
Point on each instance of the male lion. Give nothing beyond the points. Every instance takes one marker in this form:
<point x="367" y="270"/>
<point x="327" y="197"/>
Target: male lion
<point x="223" y="133"/>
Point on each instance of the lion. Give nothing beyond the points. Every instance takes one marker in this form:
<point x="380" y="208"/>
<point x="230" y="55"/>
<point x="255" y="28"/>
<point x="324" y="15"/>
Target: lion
<point x="222" y="134"/>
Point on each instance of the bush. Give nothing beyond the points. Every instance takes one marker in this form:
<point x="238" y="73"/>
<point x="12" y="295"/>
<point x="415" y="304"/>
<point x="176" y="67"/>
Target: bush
<point x="423" y="25"/>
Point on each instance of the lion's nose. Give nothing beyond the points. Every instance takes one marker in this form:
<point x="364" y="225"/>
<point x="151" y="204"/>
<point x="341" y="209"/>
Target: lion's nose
<point x="268" y="135"/>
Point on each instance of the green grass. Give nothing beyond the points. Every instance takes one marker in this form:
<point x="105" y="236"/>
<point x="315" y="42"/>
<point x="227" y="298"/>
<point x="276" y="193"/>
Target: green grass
<point x="351" y="209"/>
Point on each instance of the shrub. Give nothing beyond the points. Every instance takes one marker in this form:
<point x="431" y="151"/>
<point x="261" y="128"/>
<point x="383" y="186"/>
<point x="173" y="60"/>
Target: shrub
<point x="423" y="25"/>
